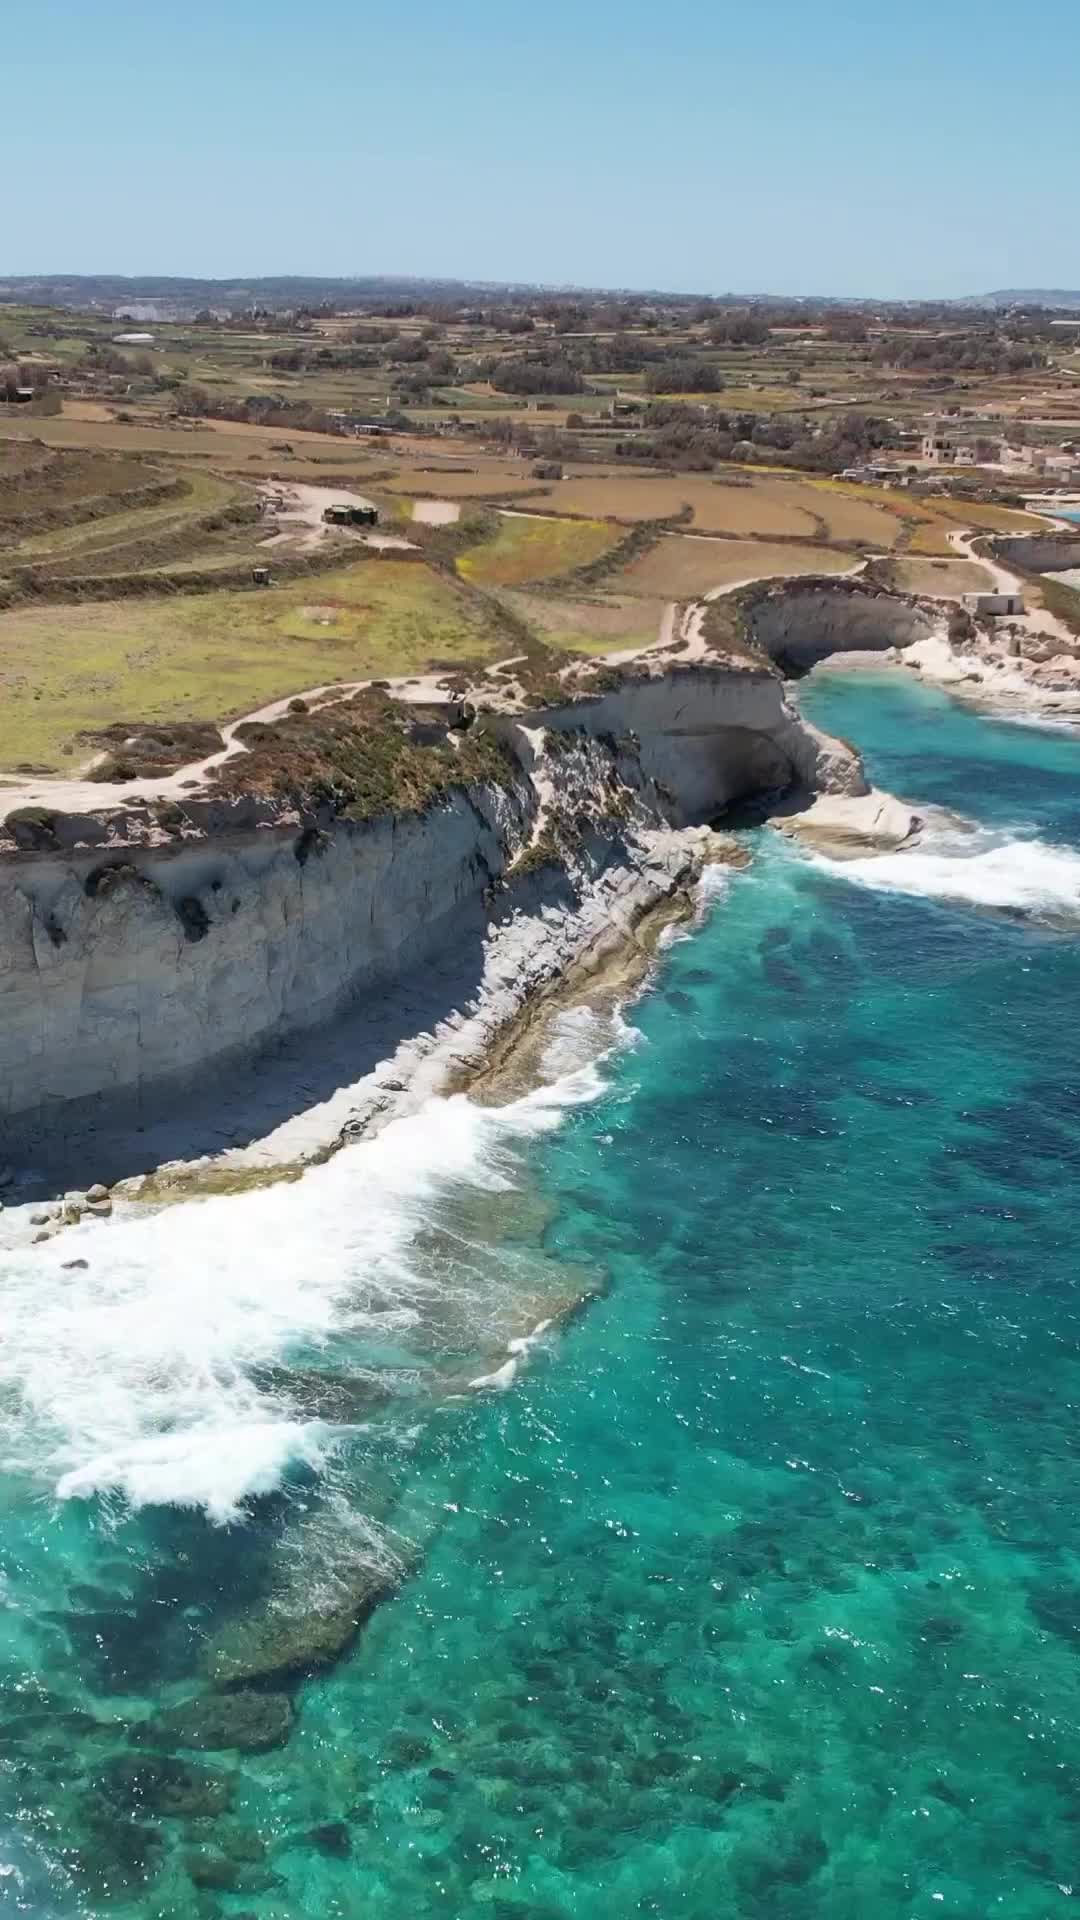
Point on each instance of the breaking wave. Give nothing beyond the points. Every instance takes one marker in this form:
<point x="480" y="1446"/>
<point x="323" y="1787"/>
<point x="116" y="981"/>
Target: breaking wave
<point x="138" y="1351"/>
<point x="977" y="869"/>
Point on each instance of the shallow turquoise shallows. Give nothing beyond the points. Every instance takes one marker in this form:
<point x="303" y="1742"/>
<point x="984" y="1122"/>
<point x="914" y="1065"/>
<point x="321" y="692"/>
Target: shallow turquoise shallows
<point x="756" y="1591"/>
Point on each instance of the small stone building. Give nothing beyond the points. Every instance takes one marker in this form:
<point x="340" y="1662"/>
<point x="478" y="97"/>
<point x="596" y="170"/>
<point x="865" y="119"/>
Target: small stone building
<point x="994" y="604"/>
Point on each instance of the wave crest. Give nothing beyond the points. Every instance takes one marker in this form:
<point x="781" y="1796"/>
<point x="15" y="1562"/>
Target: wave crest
<point x="1030" y="877"/>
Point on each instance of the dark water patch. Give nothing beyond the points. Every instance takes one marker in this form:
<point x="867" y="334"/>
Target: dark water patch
<point x="782" y="976"/>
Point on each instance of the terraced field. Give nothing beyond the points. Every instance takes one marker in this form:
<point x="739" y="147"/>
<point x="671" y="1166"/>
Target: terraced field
<point x="528" y="549"/>
<point x="131" y="538"/>
<point x="767" y="505"/>
<point x="684" y="568"/>
<point x="715" y="507"/>
<point x="599" y="624"/>
<point x="911" y="573"/>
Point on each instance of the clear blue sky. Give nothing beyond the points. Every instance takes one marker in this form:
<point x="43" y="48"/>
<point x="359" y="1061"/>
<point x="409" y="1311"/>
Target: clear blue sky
<point x="896" y="147"/>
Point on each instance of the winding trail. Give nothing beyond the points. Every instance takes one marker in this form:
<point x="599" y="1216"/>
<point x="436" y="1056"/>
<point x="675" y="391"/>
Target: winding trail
<point x="89" y="796"/>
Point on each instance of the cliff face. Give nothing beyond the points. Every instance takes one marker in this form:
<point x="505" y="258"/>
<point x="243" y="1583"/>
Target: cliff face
<point x="802" y="622"/>
<point x="127" y="968"/>
<point x="708" y="739"/>
<point x="1039" y="552"/>
<point x="117" y="978"/>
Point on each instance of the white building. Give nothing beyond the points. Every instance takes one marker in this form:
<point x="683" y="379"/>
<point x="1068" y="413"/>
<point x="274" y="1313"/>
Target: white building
<point x="994" y="604"/>
<point x="938" y="446"/>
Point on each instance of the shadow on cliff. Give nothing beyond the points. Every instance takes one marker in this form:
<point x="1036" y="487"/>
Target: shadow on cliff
<point x="241" y="1100"/>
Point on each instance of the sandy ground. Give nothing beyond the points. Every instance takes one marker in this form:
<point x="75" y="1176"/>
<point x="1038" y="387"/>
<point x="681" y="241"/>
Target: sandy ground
<point x="300" y="519"/>
<point x="436" y="513"/>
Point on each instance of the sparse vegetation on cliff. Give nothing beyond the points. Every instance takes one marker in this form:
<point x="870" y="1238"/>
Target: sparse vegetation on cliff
<point x="361" y="757"/>
<point x="726" y="632"/>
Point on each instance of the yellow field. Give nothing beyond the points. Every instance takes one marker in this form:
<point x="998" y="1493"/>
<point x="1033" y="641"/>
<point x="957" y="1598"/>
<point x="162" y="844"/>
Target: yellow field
<point x="526" y="548"/>
<point x="217" y="655"/>
<point x="684" y="569"/>
<point x="494" y="479"/>
<point x="865" y="518"/>
<point x="220" y="439"/>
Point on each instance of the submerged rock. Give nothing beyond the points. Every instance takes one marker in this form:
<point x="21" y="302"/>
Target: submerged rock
<point x="231" y="1838"/>
<point x="283" y="1644"/>
<point x="332" y="1838"/>
<point x="342" y="1399"/>
<point x="247" y="1721"/>
<point x="217" y="1870"/>
<point x="111" y="1851"/>
<point x="405" y="1749"/>
<point x="163" y="1784"/>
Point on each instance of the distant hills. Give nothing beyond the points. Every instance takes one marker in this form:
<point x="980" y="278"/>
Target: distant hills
<point x="1025" y="297"/>
<point x="166" y="296"/>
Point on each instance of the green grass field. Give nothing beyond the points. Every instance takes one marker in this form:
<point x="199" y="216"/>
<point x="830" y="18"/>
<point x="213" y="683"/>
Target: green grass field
<point x="218" y="655"/>
<point x="527" y="549"/>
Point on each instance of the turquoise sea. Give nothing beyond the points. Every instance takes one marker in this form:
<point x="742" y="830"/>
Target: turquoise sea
<point x="750" y="1585"/>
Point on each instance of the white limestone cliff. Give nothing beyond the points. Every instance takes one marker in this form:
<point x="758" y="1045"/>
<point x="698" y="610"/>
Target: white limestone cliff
<point x="130" y="971"/>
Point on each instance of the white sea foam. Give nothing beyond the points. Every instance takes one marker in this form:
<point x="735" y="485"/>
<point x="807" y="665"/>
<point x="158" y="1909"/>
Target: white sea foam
<point x="138" y="1376"/>
<point x="714" y="883"/>
<point x="979" y="869"/>
<point x="519" y="1351"/>
<point x="187" y="1469"/>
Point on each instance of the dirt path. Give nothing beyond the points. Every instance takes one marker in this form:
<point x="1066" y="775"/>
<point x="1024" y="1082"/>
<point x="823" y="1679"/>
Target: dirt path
<point x="688" y="636"/>
<point x="89" y="796"/>
<point x="680" y="633"/>
<point x="1036" y="621"/>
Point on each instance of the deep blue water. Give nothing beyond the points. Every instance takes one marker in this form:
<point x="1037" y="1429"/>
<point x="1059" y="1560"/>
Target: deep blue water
<point x="757" y="1593"/>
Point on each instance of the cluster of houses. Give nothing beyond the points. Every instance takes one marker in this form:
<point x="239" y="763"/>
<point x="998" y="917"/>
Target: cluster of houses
<point x="941" y="445"/>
